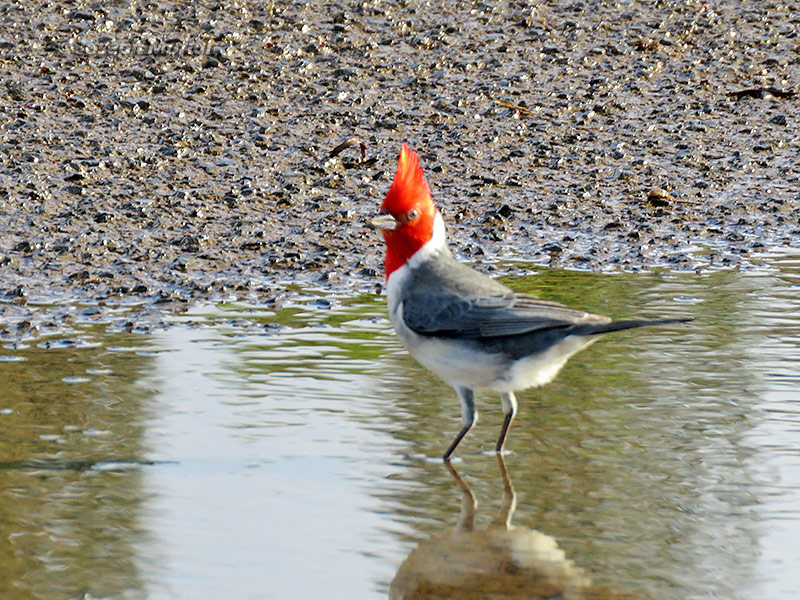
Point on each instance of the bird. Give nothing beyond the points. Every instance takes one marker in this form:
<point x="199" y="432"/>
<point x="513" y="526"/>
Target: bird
<point x="473" y="332"/>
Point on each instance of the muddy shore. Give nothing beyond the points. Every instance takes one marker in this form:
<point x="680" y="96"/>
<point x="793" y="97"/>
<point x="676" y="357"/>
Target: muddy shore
<point x="156" y="154"/>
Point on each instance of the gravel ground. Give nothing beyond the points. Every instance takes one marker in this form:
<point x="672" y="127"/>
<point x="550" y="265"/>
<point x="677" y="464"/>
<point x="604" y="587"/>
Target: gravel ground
<point x="159" y="153"/>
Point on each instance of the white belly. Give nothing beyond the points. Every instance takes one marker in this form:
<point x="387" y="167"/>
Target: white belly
<point x="540" y="369"/>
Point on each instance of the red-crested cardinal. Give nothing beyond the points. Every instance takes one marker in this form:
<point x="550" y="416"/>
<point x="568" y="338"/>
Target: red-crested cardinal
<point x="471" y="331"/>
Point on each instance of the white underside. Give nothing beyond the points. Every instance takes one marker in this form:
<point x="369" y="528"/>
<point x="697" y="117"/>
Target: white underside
<point x="461" y="366"/>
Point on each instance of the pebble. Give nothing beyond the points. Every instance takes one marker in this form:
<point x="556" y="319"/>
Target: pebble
<point x="209" y="156"/>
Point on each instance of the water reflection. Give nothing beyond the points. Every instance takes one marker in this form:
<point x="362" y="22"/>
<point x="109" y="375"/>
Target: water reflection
<point x="272" y="454"/>
<point x="71" y="493"/>
<point x="498" y="561"/>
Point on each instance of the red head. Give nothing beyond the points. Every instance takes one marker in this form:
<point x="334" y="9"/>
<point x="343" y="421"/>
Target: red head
<point x="409" y="202"/>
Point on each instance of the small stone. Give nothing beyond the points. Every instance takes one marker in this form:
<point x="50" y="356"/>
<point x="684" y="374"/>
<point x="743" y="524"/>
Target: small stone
<point x="659" y="198"/>
<point x="505" y="211"/>
<point x="79" y="15"/>
<point x="79" y="276"/>
<point x="135" y="103"/>
<point x="552" y="248"/>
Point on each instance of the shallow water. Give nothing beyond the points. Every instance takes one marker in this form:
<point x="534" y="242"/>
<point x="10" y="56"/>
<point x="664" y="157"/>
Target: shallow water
<point x="247" y="453"/>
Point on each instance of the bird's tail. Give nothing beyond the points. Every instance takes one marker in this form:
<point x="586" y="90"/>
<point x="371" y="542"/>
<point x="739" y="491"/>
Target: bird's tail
<point x="599" y="328"/>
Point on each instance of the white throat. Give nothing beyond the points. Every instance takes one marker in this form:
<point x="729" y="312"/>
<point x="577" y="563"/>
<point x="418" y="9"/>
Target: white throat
<point x="433" y="245"/>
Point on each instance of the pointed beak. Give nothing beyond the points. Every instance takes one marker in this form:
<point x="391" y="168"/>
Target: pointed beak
<point x="385" y="221"/>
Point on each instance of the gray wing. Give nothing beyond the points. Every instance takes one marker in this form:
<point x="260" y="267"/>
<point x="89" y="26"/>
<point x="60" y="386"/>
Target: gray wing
<point x="447" y="315"/>
<point x="445" y="298"/>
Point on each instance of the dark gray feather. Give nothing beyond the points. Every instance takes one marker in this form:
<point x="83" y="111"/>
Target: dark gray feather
<point x="445" y="298"/>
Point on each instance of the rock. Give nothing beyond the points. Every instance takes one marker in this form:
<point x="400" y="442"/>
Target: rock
<point x="659" y="198"/>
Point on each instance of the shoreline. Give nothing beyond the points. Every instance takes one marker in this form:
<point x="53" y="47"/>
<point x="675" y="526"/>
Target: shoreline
<point x="584" y="136"/>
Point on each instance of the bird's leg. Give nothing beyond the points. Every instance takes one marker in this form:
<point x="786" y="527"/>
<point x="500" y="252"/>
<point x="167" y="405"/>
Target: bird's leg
<point x="468" y="417"/>
<point x="509" y="401"/>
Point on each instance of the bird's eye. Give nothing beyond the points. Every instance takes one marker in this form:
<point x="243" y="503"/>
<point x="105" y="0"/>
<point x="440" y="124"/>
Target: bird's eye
<point x="412" y="214"/>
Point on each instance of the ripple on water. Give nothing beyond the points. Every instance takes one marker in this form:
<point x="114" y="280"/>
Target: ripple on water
<point x="650" y="456"/>
<point x="12" y="358"/>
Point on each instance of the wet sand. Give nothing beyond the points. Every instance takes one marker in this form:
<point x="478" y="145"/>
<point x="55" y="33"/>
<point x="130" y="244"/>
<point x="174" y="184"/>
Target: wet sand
<point x="154" y="155"/>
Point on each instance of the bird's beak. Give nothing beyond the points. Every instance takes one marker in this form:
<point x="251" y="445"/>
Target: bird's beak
<point x="385" y="221"/>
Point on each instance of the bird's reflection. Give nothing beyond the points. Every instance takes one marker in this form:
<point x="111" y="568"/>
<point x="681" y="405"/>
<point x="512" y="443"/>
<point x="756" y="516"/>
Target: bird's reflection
<point x="500" y="561"/>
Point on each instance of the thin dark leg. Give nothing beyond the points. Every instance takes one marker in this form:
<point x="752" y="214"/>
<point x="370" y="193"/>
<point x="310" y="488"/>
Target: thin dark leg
<point x="510" y="409"/>
<point x="456" y="441"/>
<point x="468" y="417"/>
